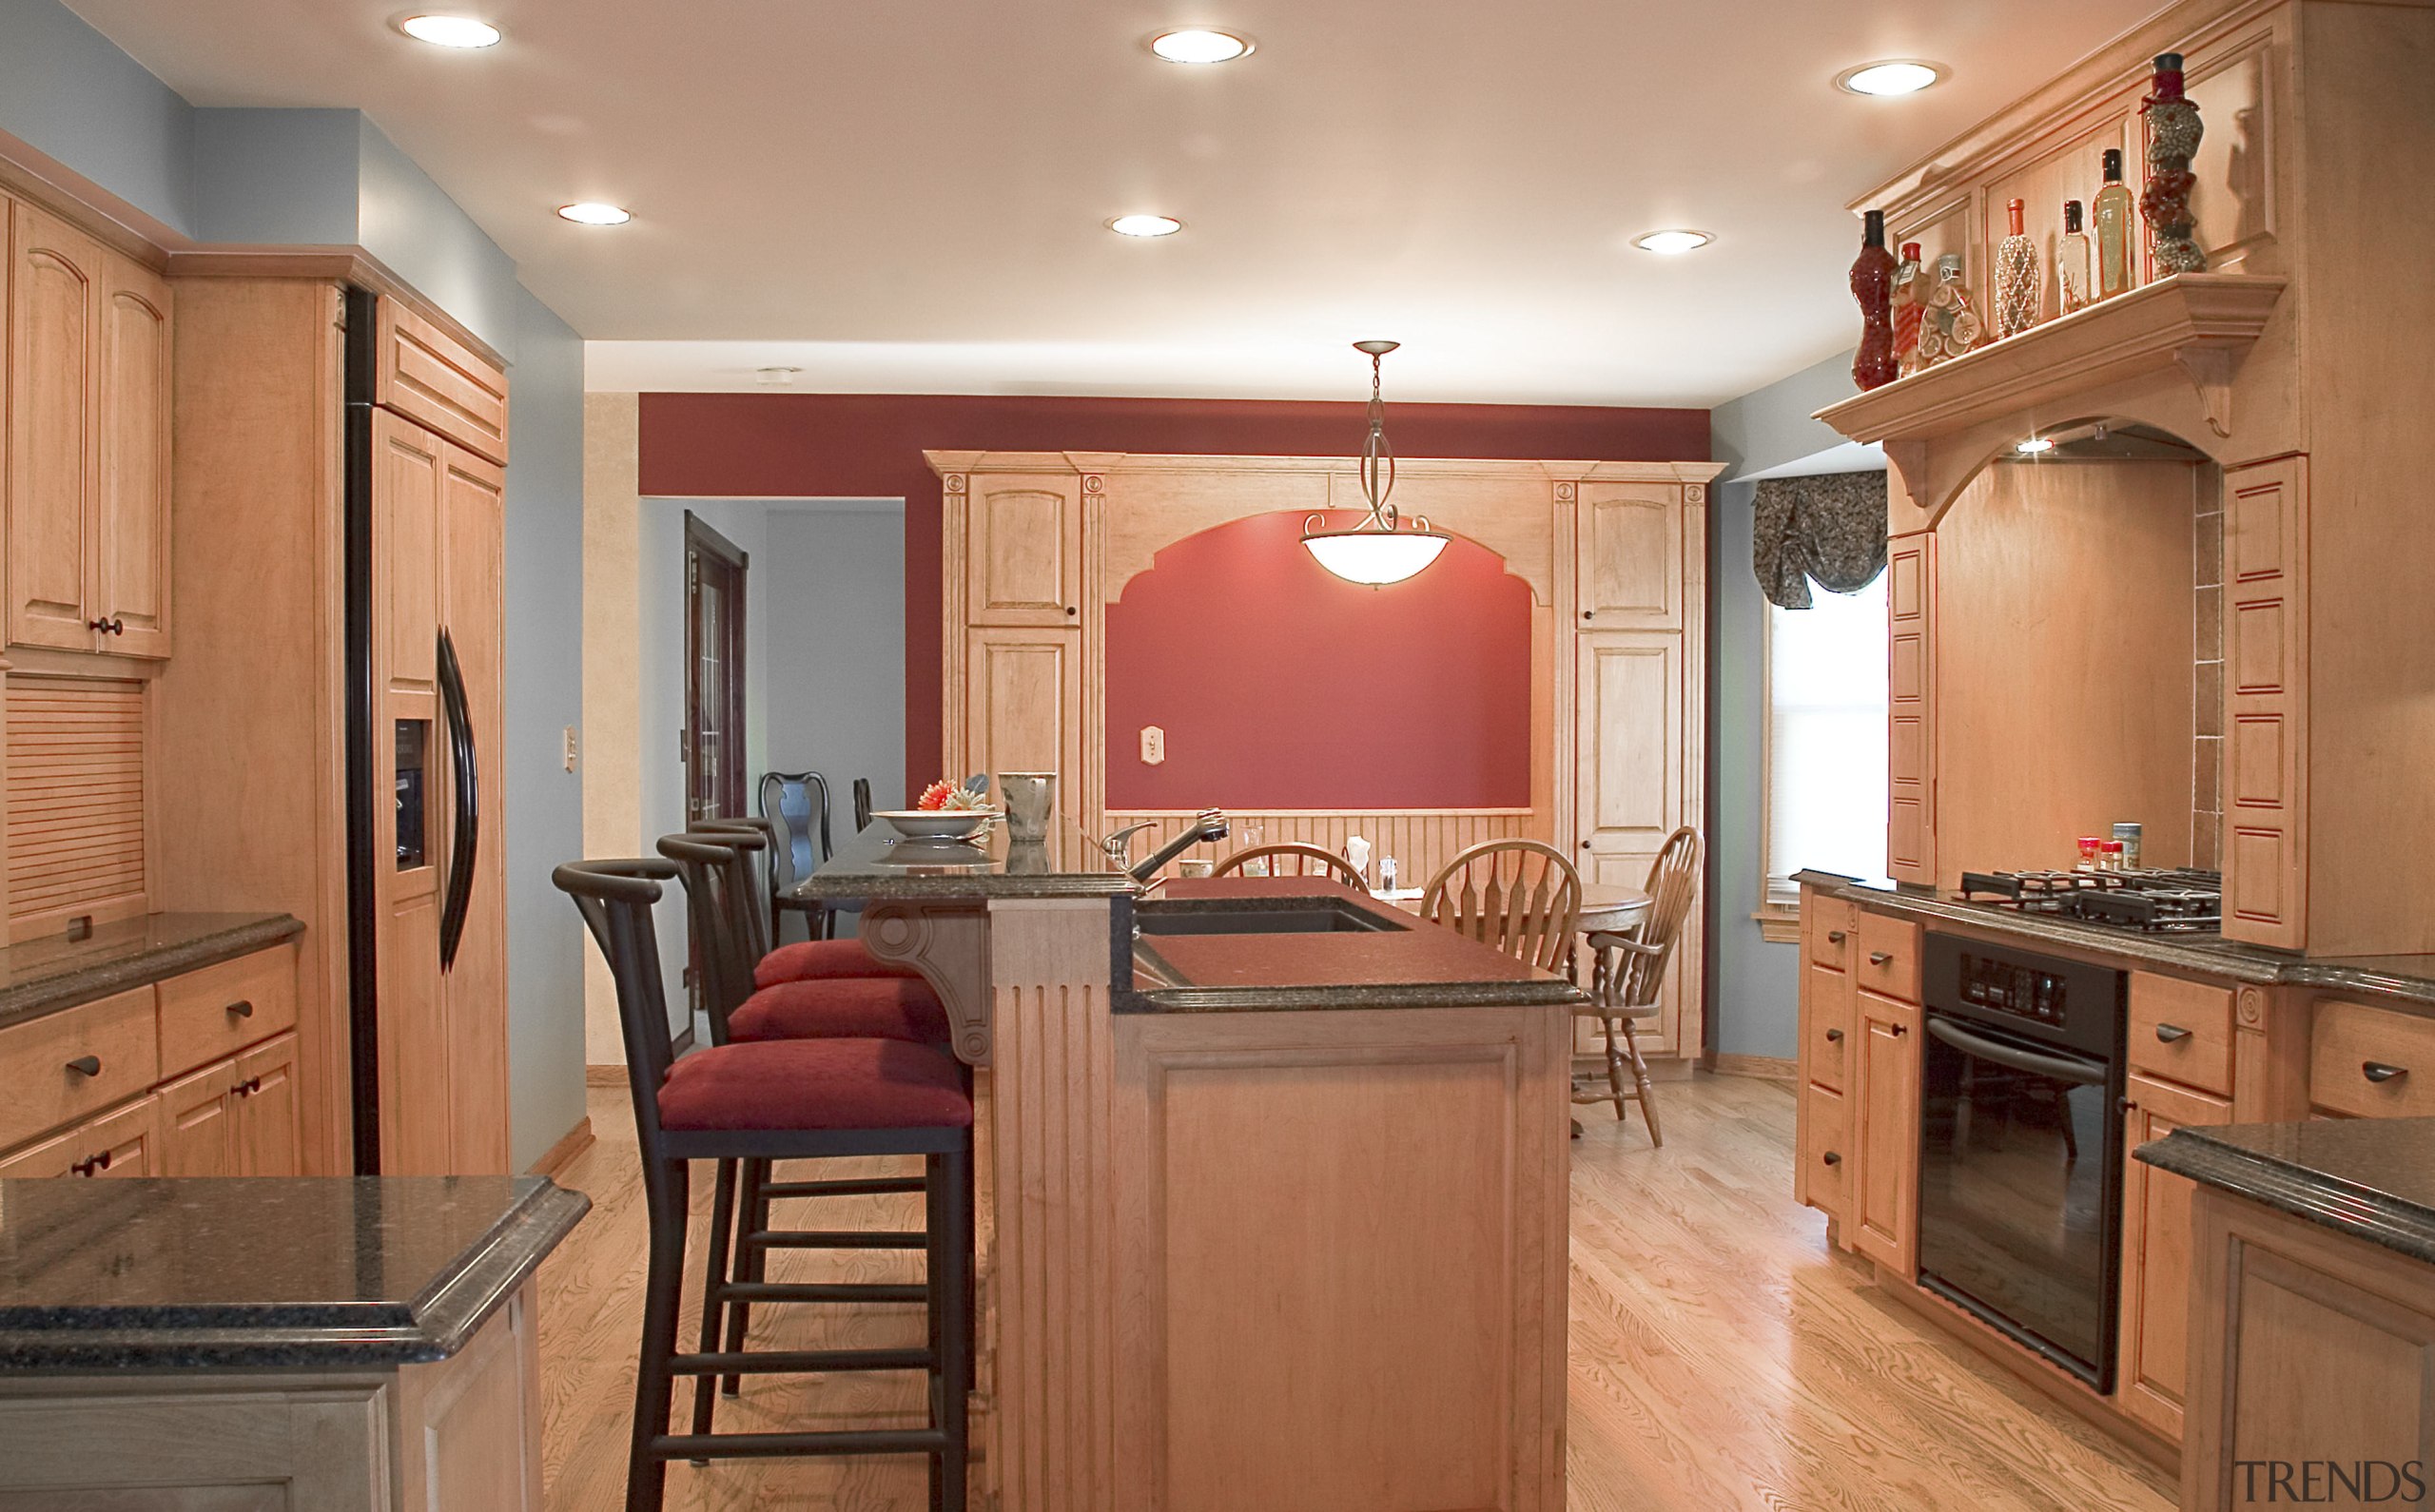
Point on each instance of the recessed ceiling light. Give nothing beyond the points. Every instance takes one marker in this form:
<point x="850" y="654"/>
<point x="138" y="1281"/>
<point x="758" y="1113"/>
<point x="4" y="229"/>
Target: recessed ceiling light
<point x="1672" y="244"/>
<point x="1894" y="76"/>
<point x="450" y="32"/>
<point x="1145" y="225"/>
<point x="592" y="212"/>
<point x="2035" y="445"/>
<point x="1200" y="45"/>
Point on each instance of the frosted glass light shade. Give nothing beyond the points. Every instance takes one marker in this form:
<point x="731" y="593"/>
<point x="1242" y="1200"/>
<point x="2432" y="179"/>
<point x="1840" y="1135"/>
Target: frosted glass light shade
<point x="1375" y="557"/>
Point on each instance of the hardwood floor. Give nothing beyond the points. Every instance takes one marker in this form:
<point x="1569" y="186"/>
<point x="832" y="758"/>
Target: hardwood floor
<point x="1721" y="1356"/>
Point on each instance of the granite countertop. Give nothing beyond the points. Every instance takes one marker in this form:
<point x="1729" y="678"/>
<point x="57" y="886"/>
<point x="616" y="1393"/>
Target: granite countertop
<point x="877" y="866"/>
<point x="335" y="1272"/>
<point x="41" y="976"/>
<point x="2371" y="1178"/>
<point x="1401" y="962"/>
<point x="2407" y="976"/>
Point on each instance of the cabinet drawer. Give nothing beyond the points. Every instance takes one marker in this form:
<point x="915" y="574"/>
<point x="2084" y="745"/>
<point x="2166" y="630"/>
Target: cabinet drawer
<point x="122" y="1143"/>
<point x="1826" y="926"/>
<point x="2182" y="1031"/>
<point x="1826" y="1019"/>
<point x="212" y="1014"/>
<point x="71" y="1064"/>
<point x="1828" y="1154"/>
<point x="2371" y="1063"/>
<point x="1885" y="956"/>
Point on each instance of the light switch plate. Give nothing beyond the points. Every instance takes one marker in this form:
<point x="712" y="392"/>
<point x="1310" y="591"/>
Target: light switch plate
<point x="1154" y="745"/>
<point x="570" y="748"/>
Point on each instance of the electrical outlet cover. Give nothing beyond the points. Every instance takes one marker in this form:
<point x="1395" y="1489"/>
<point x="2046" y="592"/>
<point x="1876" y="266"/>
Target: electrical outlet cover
<point x="1154" y="745"/>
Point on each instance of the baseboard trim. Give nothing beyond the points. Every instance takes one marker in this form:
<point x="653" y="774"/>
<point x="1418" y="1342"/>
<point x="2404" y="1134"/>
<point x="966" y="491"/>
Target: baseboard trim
<point x="558" y="1157"/>
<point x="1759" y="1068"/>
<point x="604" y="1076"/>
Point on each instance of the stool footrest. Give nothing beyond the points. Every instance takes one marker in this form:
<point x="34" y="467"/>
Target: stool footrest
<point x="775" y="1445"/>
<point x="834" y="1239"/>
<point x="823" y="1292"/>
<point x="858" y="1187"/>
<point x="800" y="1362"/>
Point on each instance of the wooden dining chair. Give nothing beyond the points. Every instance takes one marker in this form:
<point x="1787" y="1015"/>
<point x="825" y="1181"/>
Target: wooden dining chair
<point x="1307" y="860"/>
<point x="1520" y="896"/>
<point x="1628" y="970"/>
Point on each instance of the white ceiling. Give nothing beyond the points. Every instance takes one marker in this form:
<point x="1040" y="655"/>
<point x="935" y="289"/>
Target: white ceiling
<point x="908" y="196"/>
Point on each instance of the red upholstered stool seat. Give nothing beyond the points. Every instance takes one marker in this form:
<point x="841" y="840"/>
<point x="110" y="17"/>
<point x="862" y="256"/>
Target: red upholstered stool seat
<point x="816" y="1084"/>
<point x="822" y="961"/>
<point x="845" y="1008"/>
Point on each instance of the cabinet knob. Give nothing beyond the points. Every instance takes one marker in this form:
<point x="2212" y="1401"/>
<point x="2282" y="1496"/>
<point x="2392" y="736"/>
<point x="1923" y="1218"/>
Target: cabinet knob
<point x="1833" y="1036"/>
<point x="2172" y="1034"/>
<point x="1832" y="1158"/>
<point x="92" y="1164"/>
<point x="242" y="1008"/>
<point x="1588" y="613"/>
<point x="1878" y="957"/>
<point x="1071" y="610"/>
<point x="1585" y="845"/>
<point x="86" y="1065"/>
<point x="1834" y="936"/>
<point x="2124" y="1105"/>
<point x="101" y="625"/>
<point x="2377" y="1071"/>
<point x="1899" y="1030"/>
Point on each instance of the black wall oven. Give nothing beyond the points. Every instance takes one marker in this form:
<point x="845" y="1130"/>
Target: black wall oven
<point x="2020" y="1146"/>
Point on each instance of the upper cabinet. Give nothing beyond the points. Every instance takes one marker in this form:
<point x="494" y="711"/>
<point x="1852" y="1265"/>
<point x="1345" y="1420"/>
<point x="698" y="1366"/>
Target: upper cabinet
<point x="440" y="383"/>
<point x="1631" y="556"/>
<point x="1023" y="567"/>
<point x="88" y="443"/>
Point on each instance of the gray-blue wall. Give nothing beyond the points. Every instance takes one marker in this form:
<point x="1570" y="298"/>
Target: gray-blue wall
<point x="331" y="178"/>
<point x="1769" y="430"/>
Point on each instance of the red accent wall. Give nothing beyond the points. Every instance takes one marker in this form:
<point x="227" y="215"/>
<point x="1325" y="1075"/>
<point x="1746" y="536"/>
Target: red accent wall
<point x="1281" y="686"/>
<point x="871" y="445"/>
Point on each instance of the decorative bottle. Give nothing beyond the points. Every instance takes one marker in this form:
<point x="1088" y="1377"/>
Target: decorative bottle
<point x="2112" y="213"/>
<point x="1910" y="302"/>
<point x="1873" y="286"/>
<point x="2016" y="277"/>
<point x="1948" y="326"/>
<point x="2174" y="130"/>
<point x="2072" y="261"/>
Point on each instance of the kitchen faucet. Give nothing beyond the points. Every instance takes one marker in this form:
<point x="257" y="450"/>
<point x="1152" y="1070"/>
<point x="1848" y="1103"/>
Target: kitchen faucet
<point x="1209" y="825"/>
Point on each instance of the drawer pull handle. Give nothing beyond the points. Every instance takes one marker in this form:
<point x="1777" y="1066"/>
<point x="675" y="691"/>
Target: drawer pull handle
<point x="2377" y="1071"/>
<point x="1832" y="1158"/>
<point x="1833" y="1036"/>
<point x="91" y="1163"/>
<point x="86" y="1065"/>
<point x="1834" y="936"/>
<point x="1878" y="957"/>
<point x="2172" y="1034"/>
<point x="249" y="1086"/>
<point x="242" y="1008"/>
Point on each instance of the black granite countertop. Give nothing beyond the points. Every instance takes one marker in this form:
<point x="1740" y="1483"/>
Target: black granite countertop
<point x="223" y="1273"/>
<point x="2405" y="976"/>
<point x="41" y="976"/>
<point x="877" y="865"/>
<point x="2371" y="1178"/>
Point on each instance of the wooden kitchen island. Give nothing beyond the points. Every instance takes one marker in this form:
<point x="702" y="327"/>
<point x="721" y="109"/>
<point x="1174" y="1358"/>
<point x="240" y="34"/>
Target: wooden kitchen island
<point x="1274" y="1193"/>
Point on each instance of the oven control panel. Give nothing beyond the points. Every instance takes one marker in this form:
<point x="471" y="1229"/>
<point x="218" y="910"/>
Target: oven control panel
<point x="2064" y="1002"/>
<point x="2005" y="986"/>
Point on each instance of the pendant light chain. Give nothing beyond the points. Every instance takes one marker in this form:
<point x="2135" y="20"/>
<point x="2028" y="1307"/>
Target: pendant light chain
<point x="1376" y="450"/>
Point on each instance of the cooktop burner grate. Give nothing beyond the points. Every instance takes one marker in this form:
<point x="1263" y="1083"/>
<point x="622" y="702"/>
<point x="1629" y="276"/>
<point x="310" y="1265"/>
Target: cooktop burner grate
<point x="2175" y="901"/>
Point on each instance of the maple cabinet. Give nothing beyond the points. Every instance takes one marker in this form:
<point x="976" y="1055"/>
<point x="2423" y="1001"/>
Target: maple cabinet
<point x="1885" y="1123"/>
<point x="234" y="1118"/>
<point x="88" y="443"/>
<point x="1910" y="713"/>
<point x="2150" y="1370"/>
<point x="1025" y="565"/>
<point x="1631" y="542"/>
<point x="123" y="1143"/>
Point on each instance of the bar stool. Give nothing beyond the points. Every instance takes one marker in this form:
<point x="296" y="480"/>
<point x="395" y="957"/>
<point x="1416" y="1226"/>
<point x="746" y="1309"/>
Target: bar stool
<point x="806" y="960"/>
<point x="776" y="1102"/>
<point x="722" y="912"/>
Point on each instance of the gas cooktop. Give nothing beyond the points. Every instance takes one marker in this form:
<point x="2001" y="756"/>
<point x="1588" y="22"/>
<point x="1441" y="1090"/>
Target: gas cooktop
<point x="2180" y="901"/>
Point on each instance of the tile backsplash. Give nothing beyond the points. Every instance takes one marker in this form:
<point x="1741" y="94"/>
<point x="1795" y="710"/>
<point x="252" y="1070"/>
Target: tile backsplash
<point x="2206" y="685"/>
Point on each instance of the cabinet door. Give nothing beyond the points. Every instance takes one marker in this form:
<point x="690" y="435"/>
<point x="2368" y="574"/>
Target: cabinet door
<point x="266" y="1137"/>
<point x="473" y="544"/>
<point x="131" y="528"/>
<point x="53" y="456"/>
<point x="2266" y="772"/>
<point x="2155" y="1253"/>
<point x="1885" y="1113"/>
<point x="1911" y="723"/>
<point x="1023" y="709"/>
<point x="1632" y="793"/>
<point x="198" y="1123"/>
<point x="1023" y="545"/>
<point x="1630" y="564"/>
<point x="122" y="1143"/>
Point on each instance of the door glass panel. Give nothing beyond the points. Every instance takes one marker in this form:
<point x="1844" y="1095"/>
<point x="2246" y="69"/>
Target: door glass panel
<point x="414" y="739"/>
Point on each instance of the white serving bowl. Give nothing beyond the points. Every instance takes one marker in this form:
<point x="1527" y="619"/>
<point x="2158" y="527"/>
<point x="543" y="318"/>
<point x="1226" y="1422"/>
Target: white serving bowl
<point x="937" y="823"/>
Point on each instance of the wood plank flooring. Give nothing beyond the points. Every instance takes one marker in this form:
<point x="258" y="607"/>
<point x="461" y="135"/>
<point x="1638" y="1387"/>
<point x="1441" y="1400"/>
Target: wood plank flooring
<point x="1722" y="1357"/>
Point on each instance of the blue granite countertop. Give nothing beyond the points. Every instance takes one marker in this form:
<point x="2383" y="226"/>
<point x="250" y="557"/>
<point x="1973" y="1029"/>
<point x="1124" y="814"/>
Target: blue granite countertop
<point x="2371" y="1178"/>
<point x="223" y="1273"/>
<point x="44" y="975"/>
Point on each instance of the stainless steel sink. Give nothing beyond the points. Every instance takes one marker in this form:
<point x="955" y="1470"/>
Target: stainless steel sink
<point x="1250" y="916"/>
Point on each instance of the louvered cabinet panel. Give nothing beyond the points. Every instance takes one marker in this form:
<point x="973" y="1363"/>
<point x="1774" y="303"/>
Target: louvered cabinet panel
<point x="75" y="803"/>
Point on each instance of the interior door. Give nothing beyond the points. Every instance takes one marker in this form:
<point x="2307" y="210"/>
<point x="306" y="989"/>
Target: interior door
<point x="713" y="750"/>
<point x="473" y="986"/>
<point x="1632" y="792"/>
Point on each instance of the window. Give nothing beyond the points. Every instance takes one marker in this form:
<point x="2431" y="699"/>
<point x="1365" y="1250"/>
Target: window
<point x="1825" y="742"/>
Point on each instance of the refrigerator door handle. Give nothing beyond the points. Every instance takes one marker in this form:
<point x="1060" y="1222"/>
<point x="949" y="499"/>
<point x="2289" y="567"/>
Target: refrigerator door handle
<point x="465" y="834"/>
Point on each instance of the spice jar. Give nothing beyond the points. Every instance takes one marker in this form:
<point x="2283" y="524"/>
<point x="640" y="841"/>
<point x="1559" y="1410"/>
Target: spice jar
<point x="2109" y="856"/>
<point x="2089" y="845"/>
<point x="2127" y="836"/>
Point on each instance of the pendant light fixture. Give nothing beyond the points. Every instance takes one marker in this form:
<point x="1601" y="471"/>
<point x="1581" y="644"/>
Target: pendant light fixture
<point x="1378" y="551"/>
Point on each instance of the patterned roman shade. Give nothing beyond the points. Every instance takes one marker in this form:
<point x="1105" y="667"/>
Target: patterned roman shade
<point x="1830" y="527"/>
